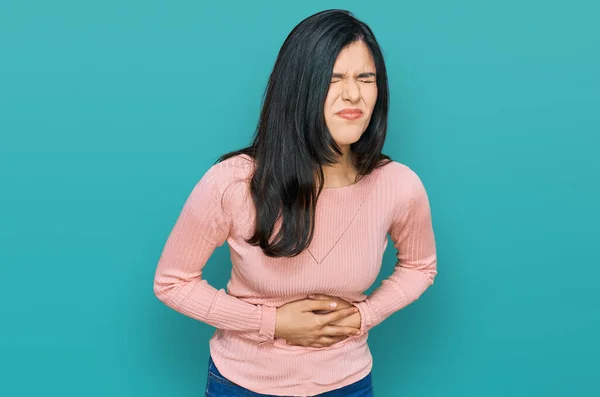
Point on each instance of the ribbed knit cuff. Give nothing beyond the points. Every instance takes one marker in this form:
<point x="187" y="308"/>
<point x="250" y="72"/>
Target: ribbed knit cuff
<point x="366" y="320"/>
<point x="267" y="323"/>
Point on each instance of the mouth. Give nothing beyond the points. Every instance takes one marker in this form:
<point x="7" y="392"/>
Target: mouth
<point x="350" y="114"/>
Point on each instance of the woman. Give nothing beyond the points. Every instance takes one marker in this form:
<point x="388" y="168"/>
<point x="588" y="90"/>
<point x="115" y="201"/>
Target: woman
<point x="305" y="210"/>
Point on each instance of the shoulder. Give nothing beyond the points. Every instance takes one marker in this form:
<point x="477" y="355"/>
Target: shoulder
<point x="402" y="186"/>
<point x="399" y="176"/>
<point x="227" y="183"/>
<point x="225" y="173"/>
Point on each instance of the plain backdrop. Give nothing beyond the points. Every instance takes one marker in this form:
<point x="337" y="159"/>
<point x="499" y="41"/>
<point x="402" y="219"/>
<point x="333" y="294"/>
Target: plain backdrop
<point x="111" y="111"/>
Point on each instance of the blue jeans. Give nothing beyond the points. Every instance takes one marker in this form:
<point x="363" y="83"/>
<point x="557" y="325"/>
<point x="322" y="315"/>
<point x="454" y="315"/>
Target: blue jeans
<point x="219" y="386"/>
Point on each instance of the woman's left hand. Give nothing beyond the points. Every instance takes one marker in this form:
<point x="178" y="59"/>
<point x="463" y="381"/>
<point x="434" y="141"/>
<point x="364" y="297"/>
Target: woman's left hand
<point x="350" y="321"/>
<point x="353" y="320"/>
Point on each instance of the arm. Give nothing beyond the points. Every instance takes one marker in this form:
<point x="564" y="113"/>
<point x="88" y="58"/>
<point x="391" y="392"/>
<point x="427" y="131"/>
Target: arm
<point x="202" y="226"/>
<point x="416" y="267"/>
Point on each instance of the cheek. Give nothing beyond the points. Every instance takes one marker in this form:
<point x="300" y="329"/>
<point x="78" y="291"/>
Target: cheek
<point x="330" y="100"/>
<point x="371" y="98"/>
<point x="329" y="104"/>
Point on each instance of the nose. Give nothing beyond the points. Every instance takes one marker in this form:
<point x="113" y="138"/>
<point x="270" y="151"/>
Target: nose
<point x="351" y="92"/>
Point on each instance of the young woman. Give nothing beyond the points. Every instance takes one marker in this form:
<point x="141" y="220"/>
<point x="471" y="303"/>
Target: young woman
<point x="305" y="210"/>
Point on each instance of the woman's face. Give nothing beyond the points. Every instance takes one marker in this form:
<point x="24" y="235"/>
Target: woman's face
<point x="352" y="95"/>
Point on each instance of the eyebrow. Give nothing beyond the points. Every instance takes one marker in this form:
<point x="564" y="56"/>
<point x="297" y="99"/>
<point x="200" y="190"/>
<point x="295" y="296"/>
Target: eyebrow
<point x="360" y="76"/>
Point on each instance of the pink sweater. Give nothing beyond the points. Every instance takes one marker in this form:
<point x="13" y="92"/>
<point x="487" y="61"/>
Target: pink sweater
<point x="344" y="259"/>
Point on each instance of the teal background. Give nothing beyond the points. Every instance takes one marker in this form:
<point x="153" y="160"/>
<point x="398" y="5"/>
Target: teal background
<point x="111" y="111"/>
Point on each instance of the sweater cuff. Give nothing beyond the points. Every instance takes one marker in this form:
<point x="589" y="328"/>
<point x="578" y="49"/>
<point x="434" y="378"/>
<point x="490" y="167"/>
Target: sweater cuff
<point x="267" y="323"/>
<point x="366" y="319"/>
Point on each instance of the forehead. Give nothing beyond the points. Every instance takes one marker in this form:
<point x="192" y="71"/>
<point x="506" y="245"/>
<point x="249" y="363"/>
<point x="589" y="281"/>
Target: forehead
<point x="355" y="56"/>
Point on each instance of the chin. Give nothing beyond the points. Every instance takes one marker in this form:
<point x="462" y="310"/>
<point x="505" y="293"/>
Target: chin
<point x="346" y="143"/>
<point x="347" y="138"/>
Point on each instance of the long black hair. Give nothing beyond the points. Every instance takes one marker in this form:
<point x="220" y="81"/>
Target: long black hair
<point x="292" y="142"/>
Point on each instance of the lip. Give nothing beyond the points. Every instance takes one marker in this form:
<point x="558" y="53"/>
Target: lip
<point x="350" y="114"/>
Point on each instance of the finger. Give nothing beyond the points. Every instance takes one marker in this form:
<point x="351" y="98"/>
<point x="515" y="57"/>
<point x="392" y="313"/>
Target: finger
<point x="314" y="305"/>
<point x="336" y="339"/>
<point x="341" y="303"/>
<point x="339" y="331"/>
<point x="327" y="340"/>
<point x="339" y="339"/>
<point x="322" y="297"/>
<point x="322" y="311"/>
<point x="338" y="315"/>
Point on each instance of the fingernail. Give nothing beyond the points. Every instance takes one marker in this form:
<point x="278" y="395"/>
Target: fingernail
<point x="333" y="304"/>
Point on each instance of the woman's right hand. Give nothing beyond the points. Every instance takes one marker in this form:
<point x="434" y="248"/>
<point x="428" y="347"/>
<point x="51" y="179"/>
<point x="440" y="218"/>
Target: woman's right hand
<point x="298" y="325"/>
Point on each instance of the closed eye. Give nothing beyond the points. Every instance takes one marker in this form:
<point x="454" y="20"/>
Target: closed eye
<point x="362" y="81"/>
<point x="367" y="77"/>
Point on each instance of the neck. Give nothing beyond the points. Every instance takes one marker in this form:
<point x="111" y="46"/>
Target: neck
<point x="342" y="173"/>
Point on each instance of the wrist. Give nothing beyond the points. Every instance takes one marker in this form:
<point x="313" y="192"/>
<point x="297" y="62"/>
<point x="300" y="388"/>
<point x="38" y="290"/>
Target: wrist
<point x="365" y="318"/>
<point x="268" y="322"/>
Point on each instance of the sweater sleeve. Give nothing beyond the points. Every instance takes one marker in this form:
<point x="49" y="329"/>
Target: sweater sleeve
<point x="416" y="267"/>
<point x="202" y="226"/>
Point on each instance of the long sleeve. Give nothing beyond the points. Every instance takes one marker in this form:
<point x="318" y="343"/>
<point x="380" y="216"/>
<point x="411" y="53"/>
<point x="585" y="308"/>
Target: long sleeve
<point x="202" y="226"/>
<point x="416" y="266"/>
